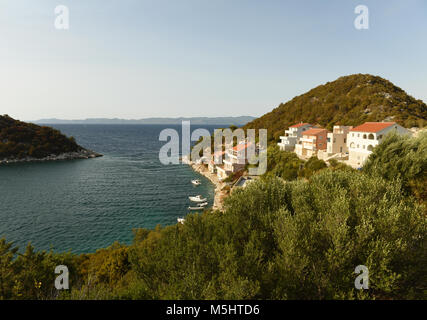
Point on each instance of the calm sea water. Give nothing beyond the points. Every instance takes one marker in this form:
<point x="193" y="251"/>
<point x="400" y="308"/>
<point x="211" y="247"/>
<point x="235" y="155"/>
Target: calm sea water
<point x="83" y="205"/>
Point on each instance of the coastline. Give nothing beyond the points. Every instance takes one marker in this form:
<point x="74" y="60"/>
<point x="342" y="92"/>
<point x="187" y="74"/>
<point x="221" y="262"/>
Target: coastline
<point x="82" y="154"/>
<point x="220" y="194"/>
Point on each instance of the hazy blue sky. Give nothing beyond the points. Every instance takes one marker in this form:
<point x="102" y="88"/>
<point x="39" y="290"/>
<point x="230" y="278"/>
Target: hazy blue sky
<point x="143" y="58"/>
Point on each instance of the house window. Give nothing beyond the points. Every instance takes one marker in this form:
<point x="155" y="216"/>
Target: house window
<point x="345" y="140"/>
<point x="352" y="145"/>
<point x="371" y="136"/>
<point x="364" y="136"/>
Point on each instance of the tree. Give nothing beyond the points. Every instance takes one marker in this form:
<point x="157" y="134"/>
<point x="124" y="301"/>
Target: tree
<point x="404" y="159"/>
<point x="342" y="219"/>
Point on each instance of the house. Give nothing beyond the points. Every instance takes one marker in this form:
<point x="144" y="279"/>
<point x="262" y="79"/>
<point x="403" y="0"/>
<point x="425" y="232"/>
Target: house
<point x="336" y="145"/>
<point x="312" y="141"/>
<point x="236" y="157"/>
<point x="290" y="139"/>
<point x="362" y="139"/>
<point x="235" y="160"/>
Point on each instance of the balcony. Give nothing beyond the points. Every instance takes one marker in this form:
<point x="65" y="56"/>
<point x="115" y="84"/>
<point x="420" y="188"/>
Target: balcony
<point x="309" y="140"/>
<point x="309" y="146"/>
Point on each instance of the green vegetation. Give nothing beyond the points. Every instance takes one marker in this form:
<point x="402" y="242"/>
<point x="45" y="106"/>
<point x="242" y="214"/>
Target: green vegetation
<point x="276" y="239"/>
<point x="19" y="140"/>
<point x="30" y="275"/>
<point x="349" y="100"/>
<point x="402" y="158"/>
<point x="288" y="166"/>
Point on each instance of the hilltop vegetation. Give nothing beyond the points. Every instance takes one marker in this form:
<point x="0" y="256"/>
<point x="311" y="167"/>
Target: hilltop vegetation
<point x="300" y="239"/>
<point x="349" y="100"/>
<point x="19" y="140"/>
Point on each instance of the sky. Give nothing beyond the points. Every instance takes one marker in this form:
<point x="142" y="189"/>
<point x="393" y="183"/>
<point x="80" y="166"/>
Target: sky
<point x="168" y="58"/>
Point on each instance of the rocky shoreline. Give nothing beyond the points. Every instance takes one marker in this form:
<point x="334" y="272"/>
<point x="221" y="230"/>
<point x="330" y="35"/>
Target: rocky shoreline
<point x="82" y="154"/>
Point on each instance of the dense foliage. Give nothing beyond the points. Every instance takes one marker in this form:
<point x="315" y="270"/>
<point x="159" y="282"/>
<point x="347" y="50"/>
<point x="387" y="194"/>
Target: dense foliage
<point x="20" y="140"/>
<point x="402" y="158"/>
<point x="288" y="166"/>
<point x="349" y="100"/>
<point x="30" y="275"/>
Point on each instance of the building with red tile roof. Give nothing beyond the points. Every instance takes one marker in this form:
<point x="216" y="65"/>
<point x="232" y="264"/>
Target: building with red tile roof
<point x="361" y="140"/>
<point x="312" y="141"/>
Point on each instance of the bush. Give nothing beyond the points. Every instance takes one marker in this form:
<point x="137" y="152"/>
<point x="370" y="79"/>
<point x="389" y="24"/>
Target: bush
<point x="401" y="158"/>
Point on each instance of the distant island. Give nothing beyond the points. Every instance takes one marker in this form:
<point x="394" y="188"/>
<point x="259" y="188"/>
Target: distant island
<point x="237" y="121"/>
<point x="24" y="142"/>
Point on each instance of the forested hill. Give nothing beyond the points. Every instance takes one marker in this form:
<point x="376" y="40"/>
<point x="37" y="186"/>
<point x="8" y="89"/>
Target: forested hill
<point x="19" y="140"/>
<point x="349" y="100"/>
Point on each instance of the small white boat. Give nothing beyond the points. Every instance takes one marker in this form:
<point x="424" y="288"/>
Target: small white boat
<point x="196" y="182"/>
<point x="199" y="206"/>
<point x="197" y="198"/>
<point x="196" y="208"/>
<point x="181" y="220"/>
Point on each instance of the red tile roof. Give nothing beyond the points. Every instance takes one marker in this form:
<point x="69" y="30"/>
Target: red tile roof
<point x="299" y="125"/>
<point x="241" y="146"/>
<point x="314" y="132"/>
<point x="373" y="126"/>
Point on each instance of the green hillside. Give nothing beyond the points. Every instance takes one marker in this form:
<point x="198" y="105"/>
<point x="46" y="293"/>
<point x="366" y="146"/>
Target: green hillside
<point x="349" y="100"/>
<point x="19" y="140"/>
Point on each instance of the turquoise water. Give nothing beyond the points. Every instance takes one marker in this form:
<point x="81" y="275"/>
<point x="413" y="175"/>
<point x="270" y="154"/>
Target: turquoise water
<point x="83" y="205"/>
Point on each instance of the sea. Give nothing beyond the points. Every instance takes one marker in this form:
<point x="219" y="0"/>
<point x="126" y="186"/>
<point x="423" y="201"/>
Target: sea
<point x="80" y="206"/>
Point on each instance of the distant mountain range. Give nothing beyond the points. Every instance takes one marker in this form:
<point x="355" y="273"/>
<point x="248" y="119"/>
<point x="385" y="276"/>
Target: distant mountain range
<point x="237" y="121"/>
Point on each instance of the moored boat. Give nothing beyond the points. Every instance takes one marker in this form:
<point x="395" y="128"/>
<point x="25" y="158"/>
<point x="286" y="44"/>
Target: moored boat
<point x="196" y="208"/>
<point x="197" y="198"/>
<point x="196" y="182"/>
<point x="181" y="220"/>
<point x="199" y="206"/>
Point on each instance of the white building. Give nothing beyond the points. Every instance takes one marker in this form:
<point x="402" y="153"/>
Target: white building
<point x="362" y="139"/>
<point x="336" y="147"/>
<point x="235" y="160"/>
<point x="290" y="139"/>
<point x="312" y="142"/>
<point x="236" y="157"/>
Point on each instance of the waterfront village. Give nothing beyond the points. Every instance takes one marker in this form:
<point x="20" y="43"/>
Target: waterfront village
<point x="347" y="144"/>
